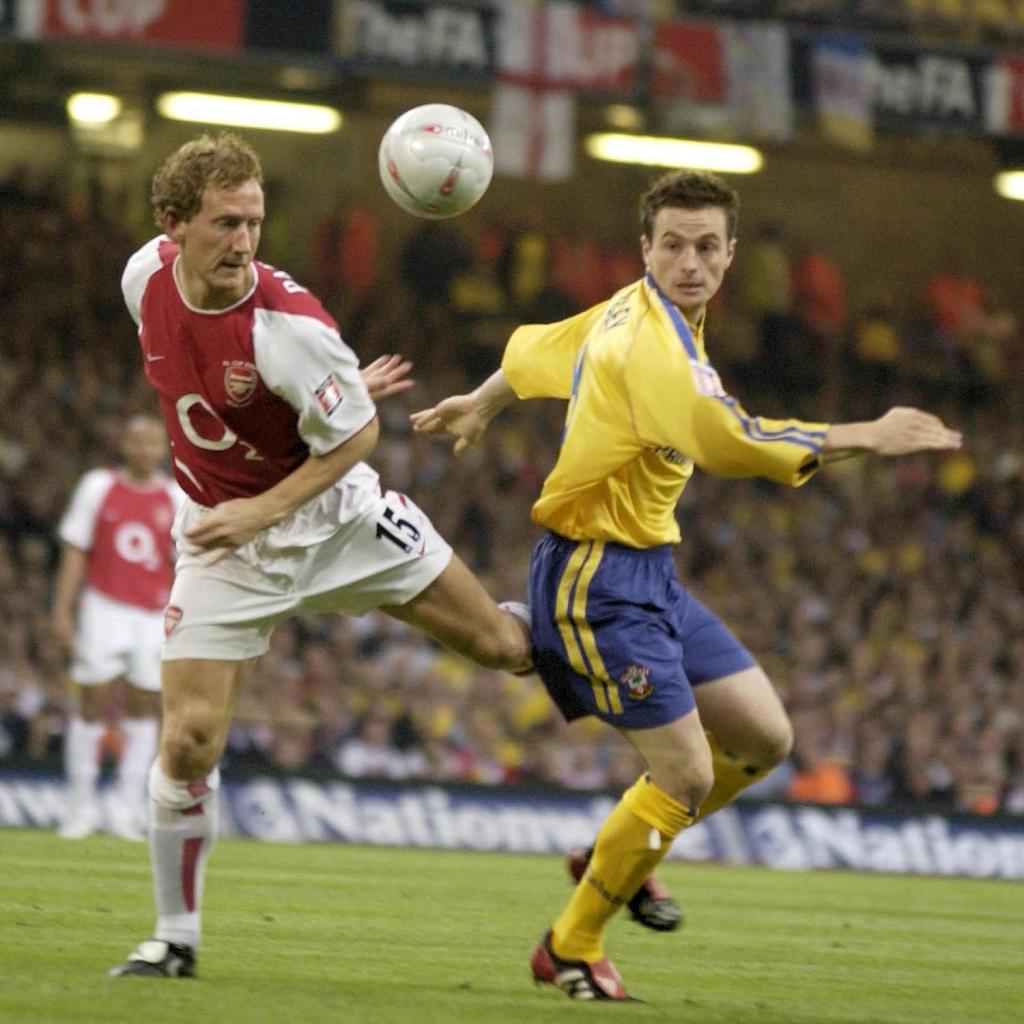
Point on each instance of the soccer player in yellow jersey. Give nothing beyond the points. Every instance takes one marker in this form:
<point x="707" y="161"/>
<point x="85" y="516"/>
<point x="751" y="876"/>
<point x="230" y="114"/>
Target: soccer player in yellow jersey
<point x="615" y="634"/>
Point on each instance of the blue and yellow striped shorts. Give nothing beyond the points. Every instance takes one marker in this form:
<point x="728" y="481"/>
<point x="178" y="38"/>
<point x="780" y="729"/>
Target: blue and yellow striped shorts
<point x="616" y="635"/>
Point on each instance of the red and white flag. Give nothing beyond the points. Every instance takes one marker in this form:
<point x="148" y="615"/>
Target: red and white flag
<point x="1004" y="96"/>
<point x="547" y="53"/>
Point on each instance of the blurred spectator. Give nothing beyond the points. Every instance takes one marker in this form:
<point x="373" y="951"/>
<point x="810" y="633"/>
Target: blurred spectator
<point x="431" y="258"/>
<point x="990" y="341"/>
<point x="345" y="254"/>
<point x="819" y="304"/>
<point x="874" y="353"/>
<point x="872" y="774"/>
<point x="766" y="288"/>
<point x="954" y="298"/>
<point x="369" y="753"/>
<point x="524" y="266"/>
<point x="766" y="278"/>
<point x="820" y="775"/>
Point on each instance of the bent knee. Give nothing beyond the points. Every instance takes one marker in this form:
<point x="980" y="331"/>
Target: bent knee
<point x="764" y="743"/>
<point x="688" y="781"/>
<point x="189" y="748"/>
<point x="775" y="744"/>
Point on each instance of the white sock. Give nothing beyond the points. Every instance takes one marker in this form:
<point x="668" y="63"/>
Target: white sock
<point x="182" y="828"/>
<point x="82" y="765"/>
<point x="140" y="740"/>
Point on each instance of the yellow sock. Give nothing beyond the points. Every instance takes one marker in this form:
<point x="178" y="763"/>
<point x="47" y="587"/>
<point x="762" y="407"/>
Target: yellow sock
<point x="634" y="837"/>
<point x="732" y="776"/>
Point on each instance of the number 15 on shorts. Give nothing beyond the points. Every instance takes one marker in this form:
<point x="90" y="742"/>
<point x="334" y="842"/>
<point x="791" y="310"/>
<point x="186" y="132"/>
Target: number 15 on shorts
<point x="391" y="527"/>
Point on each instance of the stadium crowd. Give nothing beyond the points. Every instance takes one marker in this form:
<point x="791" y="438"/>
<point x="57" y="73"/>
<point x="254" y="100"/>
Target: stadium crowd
<point x="885" y="600"/>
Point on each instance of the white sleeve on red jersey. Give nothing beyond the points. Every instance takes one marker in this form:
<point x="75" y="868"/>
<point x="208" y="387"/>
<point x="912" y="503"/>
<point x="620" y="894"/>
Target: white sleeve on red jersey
<point x="304" y="361"/>
<point x="78" y="527"/>
<point x="141" y="267"/>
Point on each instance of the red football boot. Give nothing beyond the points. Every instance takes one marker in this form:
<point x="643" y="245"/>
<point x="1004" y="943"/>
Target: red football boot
<point x="576" y="978"/>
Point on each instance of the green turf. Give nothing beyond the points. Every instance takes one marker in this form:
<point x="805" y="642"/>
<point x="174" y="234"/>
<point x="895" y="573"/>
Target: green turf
<point x="298" y="934"/>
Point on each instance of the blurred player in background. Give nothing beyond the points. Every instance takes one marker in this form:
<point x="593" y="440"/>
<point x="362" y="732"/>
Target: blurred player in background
<point x="615" y="634"/>
<point x="269" y="418"/>
<point x="115" y="576"/>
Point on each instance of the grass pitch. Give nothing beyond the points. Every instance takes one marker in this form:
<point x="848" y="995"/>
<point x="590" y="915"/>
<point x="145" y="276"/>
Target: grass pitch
<point x="312" y="933"/>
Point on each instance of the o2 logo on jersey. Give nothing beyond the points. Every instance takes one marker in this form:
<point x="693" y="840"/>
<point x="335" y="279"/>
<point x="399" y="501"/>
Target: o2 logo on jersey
<point x="135" y="543"/>
<point x="240" y="382"/>
<point x="227" y="439"/>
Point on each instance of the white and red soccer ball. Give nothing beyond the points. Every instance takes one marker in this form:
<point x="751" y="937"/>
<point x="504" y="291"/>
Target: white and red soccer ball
<point x="435" y="161"/>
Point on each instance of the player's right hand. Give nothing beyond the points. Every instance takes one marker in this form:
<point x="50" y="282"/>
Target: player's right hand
<point x="457" y="416"/>
<point x="227" y="527"/>
<point x="902" y="431"/>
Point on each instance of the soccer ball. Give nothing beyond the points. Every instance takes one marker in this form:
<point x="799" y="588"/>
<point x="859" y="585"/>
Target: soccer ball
<point x="435" y="161"/>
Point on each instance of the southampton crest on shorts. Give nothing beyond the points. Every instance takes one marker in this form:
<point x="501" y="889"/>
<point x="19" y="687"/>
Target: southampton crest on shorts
<point x="635" y="678"/>
<point x="240" y="382"/>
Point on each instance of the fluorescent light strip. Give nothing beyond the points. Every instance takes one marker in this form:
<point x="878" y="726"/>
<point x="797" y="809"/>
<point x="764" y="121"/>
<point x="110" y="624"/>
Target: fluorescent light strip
<point x="1010" y="184"/>
<point x="243" y="112"/>
<point x="93" y="107"/>
<point x="666" y="152"/>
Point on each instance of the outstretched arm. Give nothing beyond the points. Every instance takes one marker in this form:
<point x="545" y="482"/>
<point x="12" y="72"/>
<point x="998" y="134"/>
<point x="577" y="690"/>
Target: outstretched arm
<point x="900" y="431"/>
<point x="538" y="362"/>
<point x="694" y="415"/>
<point x="465" y="417"/>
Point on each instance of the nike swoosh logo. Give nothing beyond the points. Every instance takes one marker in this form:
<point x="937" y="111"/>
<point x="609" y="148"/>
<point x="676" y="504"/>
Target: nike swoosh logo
<point x="153" y="359"/>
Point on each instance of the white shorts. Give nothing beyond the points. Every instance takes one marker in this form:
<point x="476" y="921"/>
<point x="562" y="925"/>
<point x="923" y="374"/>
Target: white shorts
<point x="115" y="639"/>
<point x="350" y="550"/>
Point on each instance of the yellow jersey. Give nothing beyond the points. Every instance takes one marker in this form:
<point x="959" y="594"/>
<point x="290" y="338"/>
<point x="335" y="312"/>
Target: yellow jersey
<point x="645" y="406"/>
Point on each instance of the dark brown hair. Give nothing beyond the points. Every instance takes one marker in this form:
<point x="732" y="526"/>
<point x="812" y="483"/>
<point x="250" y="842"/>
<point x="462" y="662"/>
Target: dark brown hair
<point x="224" y="161"/>
<point x="691" y="190"/>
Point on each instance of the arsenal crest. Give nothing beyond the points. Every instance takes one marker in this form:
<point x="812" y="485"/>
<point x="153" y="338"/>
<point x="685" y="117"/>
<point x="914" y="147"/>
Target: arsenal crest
<point x="240" y="382"/>
<point x="635" y="679"/>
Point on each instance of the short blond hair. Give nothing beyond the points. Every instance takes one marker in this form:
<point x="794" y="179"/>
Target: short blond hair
<point x="224" y="161"/>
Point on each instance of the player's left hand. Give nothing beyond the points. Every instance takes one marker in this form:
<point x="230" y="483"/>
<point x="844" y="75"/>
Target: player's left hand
<point x="387" y="375"/>
<point x="902" y="431"/>
<point x="227" y="527"/>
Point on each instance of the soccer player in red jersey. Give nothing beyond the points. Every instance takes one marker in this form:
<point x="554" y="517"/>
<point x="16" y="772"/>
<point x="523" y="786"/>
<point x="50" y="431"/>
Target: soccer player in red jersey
<point x="114" y="579"/>
<point x="269" y="419"/>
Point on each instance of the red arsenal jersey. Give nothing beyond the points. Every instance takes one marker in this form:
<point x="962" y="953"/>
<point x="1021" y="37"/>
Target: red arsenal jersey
<point x="249" y="391"/>
<point x="126" y="529"/>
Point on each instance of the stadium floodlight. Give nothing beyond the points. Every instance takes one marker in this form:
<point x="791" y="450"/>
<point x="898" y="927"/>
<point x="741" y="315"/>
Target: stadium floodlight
<point x="93" y="107"/>
<point x="1010" y="184"/>
<point x="658" y="151"/>
<point x="245" y="112"/>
